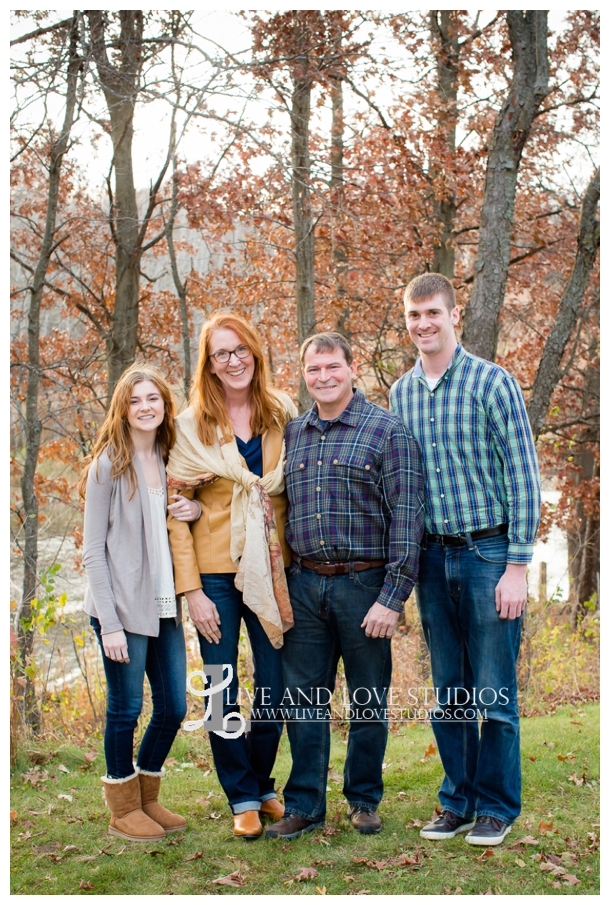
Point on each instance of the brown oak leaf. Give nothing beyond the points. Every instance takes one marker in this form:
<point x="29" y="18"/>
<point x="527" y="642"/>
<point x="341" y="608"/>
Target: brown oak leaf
<point x="234" y="879"/>
<point x="306" y="873"/>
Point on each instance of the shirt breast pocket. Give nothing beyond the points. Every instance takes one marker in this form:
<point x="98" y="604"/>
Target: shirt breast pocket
<point x="354" y="473"/>
<point x="294" y="477"/>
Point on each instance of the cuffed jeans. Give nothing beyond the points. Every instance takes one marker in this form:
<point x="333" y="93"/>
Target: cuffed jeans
<point x="328" y="613"/>
<point x="472" y="649"/>
<point x="244" y="764"/>
<point x="163" y="661"/>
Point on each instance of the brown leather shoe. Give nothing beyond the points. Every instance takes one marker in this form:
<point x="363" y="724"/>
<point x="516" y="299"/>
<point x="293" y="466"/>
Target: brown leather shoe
<point x="365" y="820"/>
<point x="272" y="808"/>
<point x="247" y="825"/>
<point x="291" y="826"/>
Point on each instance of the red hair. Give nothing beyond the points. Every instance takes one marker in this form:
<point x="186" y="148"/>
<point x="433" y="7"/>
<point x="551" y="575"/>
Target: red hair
<point x="207" y="395"/>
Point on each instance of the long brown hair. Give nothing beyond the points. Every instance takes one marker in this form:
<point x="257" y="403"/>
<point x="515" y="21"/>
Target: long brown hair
<point x="115" y="433"/>
<point x="207" y="395"/>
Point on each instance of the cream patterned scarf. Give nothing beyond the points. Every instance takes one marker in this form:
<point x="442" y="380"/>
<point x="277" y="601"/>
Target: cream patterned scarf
<point x="255" y="543"/>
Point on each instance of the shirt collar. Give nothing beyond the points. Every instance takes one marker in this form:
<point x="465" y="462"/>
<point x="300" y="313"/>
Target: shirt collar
<point x="350" y="415"/>
<point x="458" y="355"/>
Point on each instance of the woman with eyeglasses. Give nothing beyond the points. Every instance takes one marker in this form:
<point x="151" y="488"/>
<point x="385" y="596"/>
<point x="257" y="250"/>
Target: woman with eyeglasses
<point x="229" y="561"/>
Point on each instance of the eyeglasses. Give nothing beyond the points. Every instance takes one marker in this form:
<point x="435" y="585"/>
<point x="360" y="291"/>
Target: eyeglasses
<point x="224" y="356"/>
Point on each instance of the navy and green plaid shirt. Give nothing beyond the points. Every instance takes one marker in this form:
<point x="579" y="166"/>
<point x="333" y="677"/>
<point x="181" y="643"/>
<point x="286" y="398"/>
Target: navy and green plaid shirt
<point x="479" y="458"/>
<point x="355" y="492"/>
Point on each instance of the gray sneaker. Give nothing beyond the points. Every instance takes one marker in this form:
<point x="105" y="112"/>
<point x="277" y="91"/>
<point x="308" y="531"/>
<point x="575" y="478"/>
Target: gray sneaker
<point x="446" y="826"/>
<point x="488" y="831"/>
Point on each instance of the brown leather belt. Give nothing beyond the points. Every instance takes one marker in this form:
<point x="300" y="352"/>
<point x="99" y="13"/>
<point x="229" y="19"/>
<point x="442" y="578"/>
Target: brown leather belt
<point x="338" y="568"/>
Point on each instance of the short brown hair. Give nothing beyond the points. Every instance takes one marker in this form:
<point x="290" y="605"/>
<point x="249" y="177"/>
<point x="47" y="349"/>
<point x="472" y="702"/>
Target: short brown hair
<point x="430" y="284"/>
<point x="327" y="342"/>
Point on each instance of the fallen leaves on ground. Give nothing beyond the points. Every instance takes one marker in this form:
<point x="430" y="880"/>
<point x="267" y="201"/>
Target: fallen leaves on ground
<point x="234" y="879"/>
<point x="35" y="776"/>
<point x="577" y="780"/>
<point x="525" y="840"/>
<point x="306" y="873"/>
<point x="403" y="860"/>
<point x="321" y="890"/>
<point x="429" y="752"/>
<point x="195" y="857"/>
<point x="330" y="831"/>
<point x="85" y="885"/>
<point x="488" y="853"/>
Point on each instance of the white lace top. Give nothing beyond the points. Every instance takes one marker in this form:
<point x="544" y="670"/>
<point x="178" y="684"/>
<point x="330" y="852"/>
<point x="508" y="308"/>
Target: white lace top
<point x="163" y="573"/>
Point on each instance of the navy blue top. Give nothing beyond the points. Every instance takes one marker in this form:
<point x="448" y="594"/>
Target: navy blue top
<point x="252" y="451"/>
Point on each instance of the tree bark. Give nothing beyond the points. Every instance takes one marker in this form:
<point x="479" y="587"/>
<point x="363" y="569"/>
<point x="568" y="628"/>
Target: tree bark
<point x="444" y="38"/>
<point x="120" y="85"/>
<point x="33" y="425"/>
<point x="549" y="369"/>
<point x="529" y="86"/>
<point x="301" y="198"/>
<point x="584" y="531"/>
<point x="340" y="256"/>
<point x="180" y="286"/>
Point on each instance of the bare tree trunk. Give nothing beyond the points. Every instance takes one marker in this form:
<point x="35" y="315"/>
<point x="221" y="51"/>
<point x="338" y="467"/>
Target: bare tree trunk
<point x="443" y="33"/>
<point x="180" y="286"/>
<point x="529" y="87"/>
<point x="549" y="369"/>
<point x="120" y="85"/>
<point x="584" y="532"/>
<point x="33" y="426"/>
<point x="340" y="256"/>
<point x="301" y="200"/>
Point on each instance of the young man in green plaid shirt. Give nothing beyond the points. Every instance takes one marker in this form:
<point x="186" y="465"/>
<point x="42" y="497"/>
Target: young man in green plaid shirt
<point x="482" y="490"/>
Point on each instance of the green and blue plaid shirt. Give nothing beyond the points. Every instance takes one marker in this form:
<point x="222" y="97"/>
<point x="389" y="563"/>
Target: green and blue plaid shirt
<point x="479" y="459"/>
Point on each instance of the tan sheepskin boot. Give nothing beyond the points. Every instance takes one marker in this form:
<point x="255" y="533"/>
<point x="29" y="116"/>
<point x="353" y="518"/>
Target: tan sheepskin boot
<point x="149" y="790"/>
<point x="128" y="819"/>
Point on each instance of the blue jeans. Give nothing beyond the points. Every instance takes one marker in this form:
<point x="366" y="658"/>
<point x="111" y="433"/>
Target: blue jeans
<point x="163" y="660"/>
<point x="328" y="613"/>
<point x="471" y="648"/>
<point x="244" y="764"/>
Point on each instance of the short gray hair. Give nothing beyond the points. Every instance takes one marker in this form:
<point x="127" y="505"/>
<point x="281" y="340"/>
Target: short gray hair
<point x="327" y="342"/>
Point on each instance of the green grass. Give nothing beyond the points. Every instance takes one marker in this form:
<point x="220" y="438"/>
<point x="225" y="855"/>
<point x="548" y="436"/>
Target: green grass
<point x="58" y="845"/>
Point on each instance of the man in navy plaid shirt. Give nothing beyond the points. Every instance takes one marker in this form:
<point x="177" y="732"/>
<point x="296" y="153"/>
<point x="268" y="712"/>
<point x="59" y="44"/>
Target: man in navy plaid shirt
<point x="355" y="519"/>
<point x="482" y="510"/>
